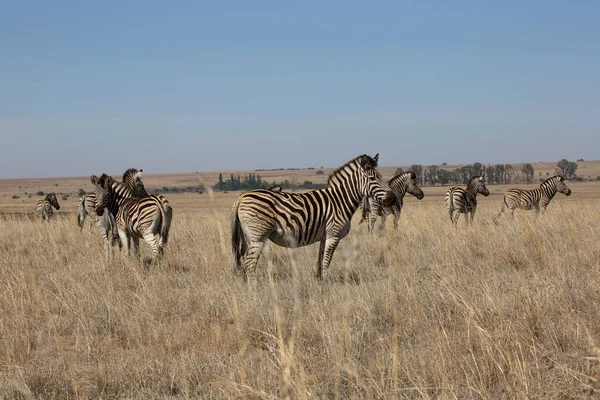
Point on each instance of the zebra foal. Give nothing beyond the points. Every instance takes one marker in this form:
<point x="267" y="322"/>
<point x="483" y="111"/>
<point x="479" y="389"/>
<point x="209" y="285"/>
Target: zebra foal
<point x="464" y="201"/>
<point x="534" y="199"/>
<point x="87" y="206"/>
<point x="300" y="219"/>
<point x="400" y="185"/>
<point x="43" y="208"/>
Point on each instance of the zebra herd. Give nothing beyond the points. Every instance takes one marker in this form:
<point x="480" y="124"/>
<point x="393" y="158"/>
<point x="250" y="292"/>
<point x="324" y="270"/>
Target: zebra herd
<point x="126" y="213"/>
<point x="324" y="215"/>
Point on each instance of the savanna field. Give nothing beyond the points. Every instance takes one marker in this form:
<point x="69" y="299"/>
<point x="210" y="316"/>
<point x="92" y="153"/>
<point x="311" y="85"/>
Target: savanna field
<point x="494" y="310"/>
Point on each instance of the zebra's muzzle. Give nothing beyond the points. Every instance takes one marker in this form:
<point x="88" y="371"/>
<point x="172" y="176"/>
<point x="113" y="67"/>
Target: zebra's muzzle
<point x="99" y="210"/>
<point x="568" y="192"/>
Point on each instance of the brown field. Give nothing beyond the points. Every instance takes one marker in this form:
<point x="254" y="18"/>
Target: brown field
<point x="508" y="310"/>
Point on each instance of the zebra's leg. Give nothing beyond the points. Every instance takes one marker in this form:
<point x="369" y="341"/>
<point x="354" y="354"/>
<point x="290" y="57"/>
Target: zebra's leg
<point x="451" y="213"/>
<point x="383" y="218"/>
<point x="136" y="245"/>
<point x="320" y="259"/>
<point x="396" y="218"/>
<point x="511" y="212"/>
<point x="472" y="215"/>
<point x="331" y="244"/>
<point x="251" y="259"/>
<point x="125" y="240"/>
<point x="372" y="219"/>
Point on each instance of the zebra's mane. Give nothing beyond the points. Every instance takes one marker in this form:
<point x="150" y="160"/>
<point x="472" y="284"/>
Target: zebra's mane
<point x="399" y="177"/>
<point x="555" y="177"/>
<point x="365" y="161"/>
<point x="473" y="178"/>
<point x="50" y="196"/>
<point x="132" y="174"/>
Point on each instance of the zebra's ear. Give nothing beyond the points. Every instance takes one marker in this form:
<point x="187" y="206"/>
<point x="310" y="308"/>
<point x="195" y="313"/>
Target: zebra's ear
<point x="560" y="178"/>
<point x="376" y="158"/>
<point x="95" y="180"/>
<point x="413" y="175"/>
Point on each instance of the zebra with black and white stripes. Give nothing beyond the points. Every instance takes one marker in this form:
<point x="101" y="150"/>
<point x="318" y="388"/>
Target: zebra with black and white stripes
<point x="400" y="185"/>
<point x="534" y="199"/>
<point x="43" y="208"/>
<point x="300" y="219"/>
<point x="464" y="200"/>
<point x="87" y="206"/>
<point x="148" y="218"/>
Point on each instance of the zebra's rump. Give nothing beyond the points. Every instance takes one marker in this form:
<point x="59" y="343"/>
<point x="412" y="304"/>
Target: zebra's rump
<point x="140" y="216"/>
<point x="460" y="200"/>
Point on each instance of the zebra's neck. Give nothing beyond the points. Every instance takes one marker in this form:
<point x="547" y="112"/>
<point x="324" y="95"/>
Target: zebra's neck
<point x="472" y="188"/>
<point x="118" y="193"/>
<point x="399" y="187"/>
<point x="548" y="189"/>
<point x="344" y="189"/>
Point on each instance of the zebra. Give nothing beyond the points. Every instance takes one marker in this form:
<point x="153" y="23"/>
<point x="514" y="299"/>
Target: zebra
<point x="300" y="219"/>
<point x="464" y="201"/>
<point x="87" y="206"/>
<point x="148" y="218"/>
<point x="535" y="198"/>
<point x="43" y="208"/>
<point x="400" y="184"/>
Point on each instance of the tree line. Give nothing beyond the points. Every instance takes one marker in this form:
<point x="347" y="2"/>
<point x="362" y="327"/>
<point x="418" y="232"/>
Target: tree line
<point x="434" y="175"/>
<point x="255" y="181"/>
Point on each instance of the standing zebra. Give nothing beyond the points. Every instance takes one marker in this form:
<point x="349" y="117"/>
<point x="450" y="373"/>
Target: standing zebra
<point x="148" y="218"/>
<point x="464" y="201"/>
<point x="535" y="198"/>
<point x="300" y="219"/>
<point x="43" y="208"/>
<point x="87" y="205"/>
<point x="400" y="185"/>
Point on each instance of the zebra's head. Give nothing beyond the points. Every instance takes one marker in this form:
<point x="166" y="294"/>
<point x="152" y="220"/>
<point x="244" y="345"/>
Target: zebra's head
<point x="51" y="198"/>
<point x="132" y="178"/>
<point x="103" y="190"/>
<point x="412" y="187"/>
<point x="561" y="185"/>
<point x="477" y="183"/>
<point x="374" y="187"/>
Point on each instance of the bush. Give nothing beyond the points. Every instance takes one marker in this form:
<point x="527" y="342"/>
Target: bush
<point x="16" y="197"/>
<point x="65" y="196"/>
<point x="40" y="193"/>
<point x="81" y="193"/>
<point x="319" y="172"/>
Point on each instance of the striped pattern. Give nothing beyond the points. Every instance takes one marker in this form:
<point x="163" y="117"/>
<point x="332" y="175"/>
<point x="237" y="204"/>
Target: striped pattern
<point x="534" y="199"/>
<point x="43" y="208"/>
<point x="464" y="201"/>
<point x="300" y="219"/>
<point x="400" y="185"/>
<point x="148" y="218"/>
<point x="87" y="206"/>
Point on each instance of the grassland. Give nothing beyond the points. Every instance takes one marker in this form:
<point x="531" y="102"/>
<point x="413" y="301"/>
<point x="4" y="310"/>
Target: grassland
<point x="508" y="310"/>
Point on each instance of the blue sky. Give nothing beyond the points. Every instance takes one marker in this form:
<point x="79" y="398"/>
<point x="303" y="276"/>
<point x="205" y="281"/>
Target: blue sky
<point x="181" y="86"/>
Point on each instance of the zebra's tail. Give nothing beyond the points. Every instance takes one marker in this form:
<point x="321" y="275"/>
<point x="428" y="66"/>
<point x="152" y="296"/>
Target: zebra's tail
<point x="450" y="200"/>
<point x="81" y="213"/>
<point x="238" y="239"/>
<point x="504" y="207"/>
<point x="167" y="217"/>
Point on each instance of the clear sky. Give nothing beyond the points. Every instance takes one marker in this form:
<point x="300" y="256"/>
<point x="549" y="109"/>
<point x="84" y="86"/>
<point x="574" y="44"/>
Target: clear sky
<point x="91" y="87"/>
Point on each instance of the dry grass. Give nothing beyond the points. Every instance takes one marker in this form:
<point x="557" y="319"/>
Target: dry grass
<point x="494" y="311"/>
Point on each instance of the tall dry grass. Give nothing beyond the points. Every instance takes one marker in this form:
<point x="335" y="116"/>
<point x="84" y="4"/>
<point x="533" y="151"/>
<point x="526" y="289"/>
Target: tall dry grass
<point x="493" y="311"/>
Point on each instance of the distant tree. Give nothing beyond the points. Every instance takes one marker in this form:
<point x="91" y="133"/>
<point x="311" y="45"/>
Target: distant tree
<point x="444" y="164"/>
<point x="431" y="175"/>
<point x="445" y="176"/>
<point x="81" y="192"/>
<point x="489" y="174"/>
<point x="528" y="171"/>
<point x="477" y="169"/>
<point x="319" y="172"/>
<point x="566" y="168"/>
<point x="220" y="183"/>
<point x="65" y="196"/>
<point x="398" y="171"/>
<point x="418" y="170"/>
